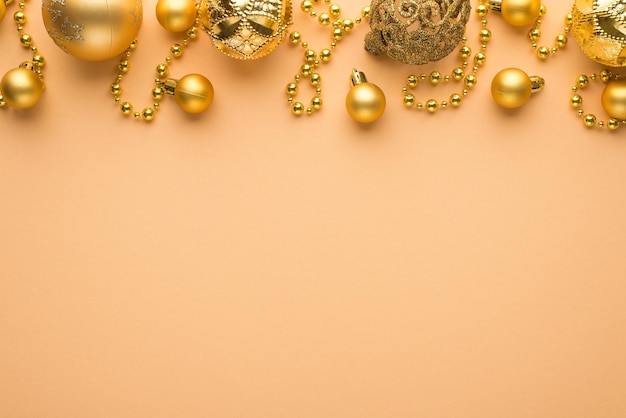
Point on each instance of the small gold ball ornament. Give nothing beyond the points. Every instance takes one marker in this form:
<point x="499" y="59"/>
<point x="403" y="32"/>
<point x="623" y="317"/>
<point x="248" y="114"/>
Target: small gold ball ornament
<point x="365" y="101"/>
<point x="21" y="88"/>
<point x="511" y="88"/>
<point x="194" y="93"/>
<point x="520" y="13"/>
<point x="176" y="15"/>
<point x="599" y="27"/>
<point x="614" y="99"/>
<point x="246" y="29"/>
<point x="92" y="30"/>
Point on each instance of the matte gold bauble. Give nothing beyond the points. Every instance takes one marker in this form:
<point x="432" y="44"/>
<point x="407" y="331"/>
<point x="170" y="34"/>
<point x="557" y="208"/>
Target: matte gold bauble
<point x="246" y="29"/>
<point x="365" y="101"/>
<point x="520" y="13"/>
<point x="21" y="88"/>
<point x="614" y="99"/>
<point x="92" y="30"/>
<point x="511" y="88"/>
<point x="176" y="15"/>
<point x="416" y="31"/>
<point x="194" y="93"/>
<point x="599" y="27"/>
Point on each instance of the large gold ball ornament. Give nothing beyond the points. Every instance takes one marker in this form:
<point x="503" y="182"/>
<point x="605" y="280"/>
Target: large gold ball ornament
<point x="21" y="88"/>
<point x="520" y="13"/>
<point x="599" y="27"/>
<point x="3" y="9"/>
<point x="194" y="93"/>
<point x="365" y="101"/>
<point x="511" y="88"/>
<point x="92" y="30"/>
<point x="614" y="99"/>
<point x="246" y="29"/>
<point x="176" y="15"/>
<point x="416" y="31"/>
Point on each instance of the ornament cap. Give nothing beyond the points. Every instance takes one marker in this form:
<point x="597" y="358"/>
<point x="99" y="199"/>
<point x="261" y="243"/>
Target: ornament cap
<point x="537" y="83"/>
<point x="357" y="77"/>
<point x="495" y="5"/>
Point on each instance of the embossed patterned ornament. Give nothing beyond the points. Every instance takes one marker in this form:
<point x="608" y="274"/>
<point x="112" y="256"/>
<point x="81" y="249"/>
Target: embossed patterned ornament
<point x="246" y="29"/>
<point x="416" y="31"/>
<point x="599" y="27"/>
<point x="92" y="30"/>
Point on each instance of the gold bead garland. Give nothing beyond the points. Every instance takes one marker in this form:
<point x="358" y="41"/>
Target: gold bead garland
<point x="162" y="83"/>
<point x="26" y="81"/>
<point x="313" y="59"/>
<point x="458" y="74"/>
<point x="560" y="41"/>
<point x="576" y="101"/>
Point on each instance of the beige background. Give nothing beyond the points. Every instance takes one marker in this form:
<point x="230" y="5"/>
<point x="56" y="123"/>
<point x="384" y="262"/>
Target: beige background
<point x="247" y="263"/>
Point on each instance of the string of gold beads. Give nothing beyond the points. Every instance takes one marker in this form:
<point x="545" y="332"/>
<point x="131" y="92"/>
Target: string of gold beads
<point x="458" y="74"/>
<point x="162" y="71"/>
<point x="313" y="59"/>
<point x="35" y="65"/>
<point x="576" y="101"/>
<point x="560" y="41"/>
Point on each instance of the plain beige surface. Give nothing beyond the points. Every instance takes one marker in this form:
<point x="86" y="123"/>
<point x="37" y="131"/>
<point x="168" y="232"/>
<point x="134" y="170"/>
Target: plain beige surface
<point x="246" y="263"/>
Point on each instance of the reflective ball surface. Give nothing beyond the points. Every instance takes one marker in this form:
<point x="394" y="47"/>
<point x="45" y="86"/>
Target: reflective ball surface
<point x="614" y="99"/>
<point x="176" y="15"/>
<point x="246" y="29"/>
<point x="599" y="27"/>
<point x="511" y="88"/>
<point x="194" y="93"/>
<point x="92" y="30"/>
<point x="21" y="88"/>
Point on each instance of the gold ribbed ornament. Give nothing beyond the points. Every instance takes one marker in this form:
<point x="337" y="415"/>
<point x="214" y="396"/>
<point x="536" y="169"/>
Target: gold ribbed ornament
<point x="246" y="29"/>
<point x="599" y="27"/>
<point x="92" y="30"/>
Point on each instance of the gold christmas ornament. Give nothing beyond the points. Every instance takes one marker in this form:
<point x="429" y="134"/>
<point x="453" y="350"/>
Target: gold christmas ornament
<point x="21" y="87"/>
<point x="365" y="101"/>
<point x="518" y="13"/>
<point x="599" y="27"/>
<point x="3" y="9"/>
<point x="614" y="99"/>
<point x="511" y="88"/>
<point x="92" y="30"/>
<point x="176" y="15"/>
<point x="193" y="93"/>
<point x="416" y="31"/>
<point x="246" y="29"/>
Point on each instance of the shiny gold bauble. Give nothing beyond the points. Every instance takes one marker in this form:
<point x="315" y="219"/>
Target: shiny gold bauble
<point x="614" y="99"/>
<point x="194" y="93"/>
<point x="21" y="88"/>
<point x="365" y="102"/>
<point x="92" y="30"/>
<point x="520" y="12"/>
<point x="599" y="27"/>
<point x="416" y="31"/>
<point x="176" y="15"/>
<point x="511" y="88"/>
<point x="246" y="29"/>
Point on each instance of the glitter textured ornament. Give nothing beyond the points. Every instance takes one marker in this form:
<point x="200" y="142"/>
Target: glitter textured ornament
<point x="599" y="27"/>
<point x="416" y="31"/>
<point x="246" y="29"/>
<point x="92" y="30"/>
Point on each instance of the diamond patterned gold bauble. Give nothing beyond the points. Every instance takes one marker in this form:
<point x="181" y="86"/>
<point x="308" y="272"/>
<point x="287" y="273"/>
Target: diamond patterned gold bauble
<point x="246" y="29"/>
<point x="416" y="31"/>
<point x="599" y="27"/>
<point x="92" y="30"/>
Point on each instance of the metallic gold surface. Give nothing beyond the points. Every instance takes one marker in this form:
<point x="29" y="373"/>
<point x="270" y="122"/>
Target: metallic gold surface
<point x="246" y="29"/>
<point x="176" y="15"/>
<point x="520" y="13"/>
<point x="93" y="30"/>
<point x="614" y="99"/>
<point x="416" y="31"/>
<point x="194" y="93"/>
<point x="3" y="9"/>
<point x="599" y="27"/>
<point x="21" y="88"/>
